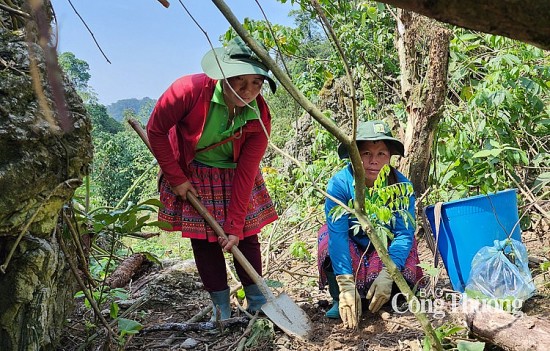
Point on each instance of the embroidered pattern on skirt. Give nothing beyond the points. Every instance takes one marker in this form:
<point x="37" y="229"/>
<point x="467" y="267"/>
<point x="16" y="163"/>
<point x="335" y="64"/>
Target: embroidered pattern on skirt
<point x="214" y="187"/>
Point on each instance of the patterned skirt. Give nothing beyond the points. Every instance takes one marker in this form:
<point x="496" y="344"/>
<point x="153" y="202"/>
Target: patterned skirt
<point x="214" y="187"/>
<point x="367" y="269"/>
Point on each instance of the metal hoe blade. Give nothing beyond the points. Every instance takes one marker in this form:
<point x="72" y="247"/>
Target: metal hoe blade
<point x="288" y="316"/>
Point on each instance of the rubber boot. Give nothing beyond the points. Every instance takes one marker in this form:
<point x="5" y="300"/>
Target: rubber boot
<point x="220" y="301"/>
<point x="334" y="291"/>
<point x="254" y="298"/>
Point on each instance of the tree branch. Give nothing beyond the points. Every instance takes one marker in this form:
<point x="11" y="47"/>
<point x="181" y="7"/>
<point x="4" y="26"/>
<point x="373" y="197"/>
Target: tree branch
<point x="359" y="172"/>
<point x="283" y="78"/>
<point x="90" y="31"/>
<point x="15" y="11"/>
<point x="336" y="42"/>
<point x="521" y="20"/>
<point x="309" y="107"/>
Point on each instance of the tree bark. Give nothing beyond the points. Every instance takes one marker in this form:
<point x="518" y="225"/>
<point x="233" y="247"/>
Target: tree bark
<point x="527" y="20"/>
<point x="125" y="271"/>
<point x="508" y="331"/>
<point x="423" y="48"/>
<point x="40" y="165"/>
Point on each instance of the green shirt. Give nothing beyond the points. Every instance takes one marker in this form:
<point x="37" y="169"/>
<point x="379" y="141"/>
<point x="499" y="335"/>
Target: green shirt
<point x="216" y="129"/>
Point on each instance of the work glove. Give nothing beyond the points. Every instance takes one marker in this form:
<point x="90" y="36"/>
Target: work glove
<point x="380" y="290"/>
<point x="350" y="301"/>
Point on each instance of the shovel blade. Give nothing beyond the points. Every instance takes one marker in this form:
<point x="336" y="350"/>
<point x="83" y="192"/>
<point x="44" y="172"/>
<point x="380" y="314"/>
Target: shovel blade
<point x="288" y="316"/>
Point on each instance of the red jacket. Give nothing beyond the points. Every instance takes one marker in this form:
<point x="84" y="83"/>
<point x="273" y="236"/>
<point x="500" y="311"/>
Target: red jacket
<point x="176" y="125"/>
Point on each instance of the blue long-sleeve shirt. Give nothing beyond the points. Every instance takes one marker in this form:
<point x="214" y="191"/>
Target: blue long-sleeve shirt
<point x="341" y="187"/>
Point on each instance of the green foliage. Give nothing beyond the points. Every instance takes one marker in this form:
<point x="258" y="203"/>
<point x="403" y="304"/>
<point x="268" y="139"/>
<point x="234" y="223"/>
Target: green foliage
<point x="119" y="160"/>
<point x="300" y="190"/>
<point x="299" y="250"/>
<point x="110" y="296"/>
<point x="166" y="245"/>
<point x="141" y="107"/>
<point x="496" y="118"/>
<point x="431" y="271"/>
<point x="127" y="221"/>
<point x="128" y="326"/>
<point x="447" y="330"/>
<point x="120" y="156"/>
<point x="278" y="186"/>
<point x="241" y="294"/>
<point x="101" y="267"/>
<point x="465" y="345"/>
<point x="101" y="121"/>
<point x="105" y="295"/>
<point x="488" y="164"/>
<point x="542" y="181"/>
<point x="121" y="164"/>
<point x="302" y="51"/>
<point x="262" y="333"/>
<point x="76" y="69"/>
<point x="284" y="112"/>
<point x="77" y="72"/>
<point x="317" y="173"/>
<point x="497" y="121"/>
<point x="365" y="31"/>
<point x="387" y="201"/>
<point x="107" y="227"/>
<point x="383" y="203"/>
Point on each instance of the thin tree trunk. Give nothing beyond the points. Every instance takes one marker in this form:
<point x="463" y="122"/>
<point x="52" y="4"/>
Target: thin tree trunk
<point x="423" y="48"/>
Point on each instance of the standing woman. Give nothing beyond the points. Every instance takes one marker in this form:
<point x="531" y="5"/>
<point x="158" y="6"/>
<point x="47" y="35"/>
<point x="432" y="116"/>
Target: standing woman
<point x="346" y="260"/>
<point x="208" y="133"/>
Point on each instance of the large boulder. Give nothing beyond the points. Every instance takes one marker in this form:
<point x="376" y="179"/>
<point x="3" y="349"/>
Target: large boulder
<point x="41" y="164"/>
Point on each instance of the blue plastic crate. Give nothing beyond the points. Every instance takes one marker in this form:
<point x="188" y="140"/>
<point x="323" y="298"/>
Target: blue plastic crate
<point x="469" y="224"/>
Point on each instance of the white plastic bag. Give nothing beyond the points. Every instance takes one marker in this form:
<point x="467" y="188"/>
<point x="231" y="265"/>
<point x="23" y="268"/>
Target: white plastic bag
<point x="501" y="273"/>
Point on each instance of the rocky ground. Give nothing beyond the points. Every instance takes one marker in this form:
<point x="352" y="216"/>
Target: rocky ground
<point x="173" y="294"/>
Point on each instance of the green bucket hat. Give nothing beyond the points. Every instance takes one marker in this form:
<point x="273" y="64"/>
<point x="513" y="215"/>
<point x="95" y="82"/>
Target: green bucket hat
<point x="374" y="130"/>
<point x="235" y="59"/>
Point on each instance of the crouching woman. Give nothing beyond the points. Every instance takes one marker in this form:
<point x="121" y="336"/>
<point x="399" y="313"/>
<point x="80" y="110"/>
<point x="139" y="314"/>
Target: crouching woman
<point x="347" y="261"/>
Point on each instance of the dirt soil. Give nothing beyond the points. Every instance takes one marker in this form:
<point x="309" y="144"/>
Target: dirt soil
<point x="173" y="294"/>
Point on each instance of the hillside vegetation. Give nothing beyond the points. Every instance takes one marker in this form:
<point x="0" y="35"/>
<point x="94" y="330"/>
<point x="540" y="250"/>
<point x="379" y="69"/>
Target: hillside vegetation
<point x="492" y="134"/>
<point x="118" y="109"/>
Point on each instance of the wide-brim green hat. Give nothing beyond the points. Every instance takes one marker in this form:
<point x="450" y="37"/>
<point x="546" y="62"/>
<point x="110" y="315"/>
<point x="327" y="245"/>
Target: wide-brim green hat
<point x="374" y="130"/>
<point x="236" y="59"/>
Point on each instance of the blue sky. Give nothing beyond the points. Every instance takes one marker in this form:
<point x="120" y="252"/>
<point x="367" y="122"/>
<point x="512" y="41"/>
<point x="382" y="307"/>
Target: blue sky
<point x="149" y="46"/>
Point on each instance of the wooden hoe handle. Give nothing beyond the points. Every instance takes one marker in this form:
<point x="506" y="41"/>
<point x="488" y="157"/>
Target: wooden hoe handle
<point x="197" y="204"/>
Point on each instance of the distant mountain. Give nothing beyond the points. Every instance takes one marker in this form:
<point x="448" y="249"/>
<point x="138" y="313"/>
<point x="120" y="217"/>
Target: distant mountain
<point x="142" y="107"/>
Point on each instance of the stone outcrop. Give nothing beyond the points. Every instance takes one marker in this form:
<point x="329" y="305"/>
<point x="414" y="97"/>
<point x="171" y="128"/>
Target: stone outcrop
<point x="40" y="166"/>
<point x="334" y="99"/>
